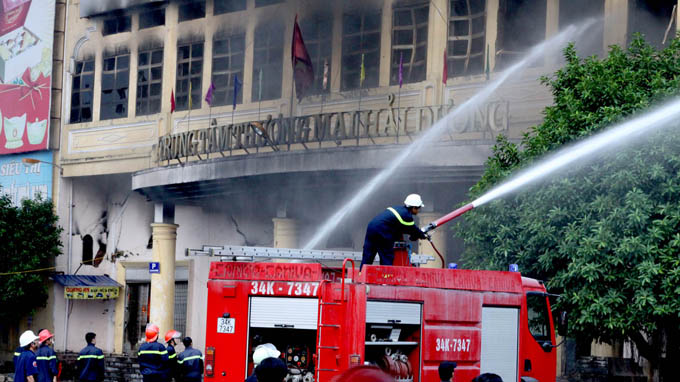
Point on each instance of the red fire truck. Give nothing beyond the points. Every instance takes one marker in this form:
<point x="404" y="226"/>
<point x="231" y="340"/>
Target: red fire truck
<point x="404" y="319"/>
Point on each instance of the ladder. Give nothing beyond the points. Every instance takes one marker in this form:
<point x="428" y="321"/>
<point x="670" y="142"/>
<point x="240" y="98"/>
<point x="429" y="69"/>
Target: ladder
<point x="241" y="253"/>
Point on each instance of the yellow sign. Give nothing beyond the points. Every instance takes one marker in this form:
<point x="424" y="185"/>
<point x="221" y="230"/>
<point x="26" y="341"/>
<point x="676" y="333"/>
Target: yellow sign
<point x="91" y="292"/>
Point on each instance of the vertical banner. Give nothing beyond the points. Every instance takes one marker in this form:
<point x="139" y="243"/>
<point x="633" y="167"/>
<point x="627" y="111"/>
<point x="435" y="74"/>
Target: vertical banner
<point x="26" y="181"/>
<point x="26" y="36"/>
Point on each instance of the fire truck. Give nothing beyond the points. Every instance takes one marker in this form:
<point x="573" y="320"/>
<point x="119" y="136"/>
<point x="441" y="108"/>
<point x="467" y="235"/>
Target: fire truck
<point x="404" y="319"/>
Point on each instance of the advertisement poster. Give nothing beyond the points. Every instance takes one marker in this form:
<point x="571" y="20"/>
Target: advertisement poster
<point x="26" y="34"/>
<point x="20" y="180"/>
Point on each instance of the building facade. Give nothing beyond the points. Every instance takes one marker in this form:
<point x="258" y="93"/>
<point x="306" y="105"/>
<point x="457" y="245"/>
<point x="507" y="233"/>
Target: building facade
<point x="152" y="166"/>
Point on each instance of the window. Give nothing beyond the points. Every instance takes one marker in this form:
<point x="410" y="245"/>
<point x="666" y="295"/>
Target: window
<point x="149" y="81"/>
<point x="264" y="3"/>
<point x="115" y="81"/>
<point x="577" y="11"/>
<point x="521" y="25"/>
<point x="466" y="43"/>
<point x="81" y="92"/>
<point x="651" y="19"/>
<point x="268" y="58"/>
<point x="360" y="38"/>
<point x="117" y="24"/>
<point x="181" y="294"/>
<point x="191" y="10"/>
<point x="409" y="41"/>
<point x="539" y="320"/>
<point x="88" y="250"/>
<point x="226" y="6"/>
<point x="227" y="62"/>
<point x="317" y="32"/>
<point x="189" y="71"/>
<point x="152" y="18"/>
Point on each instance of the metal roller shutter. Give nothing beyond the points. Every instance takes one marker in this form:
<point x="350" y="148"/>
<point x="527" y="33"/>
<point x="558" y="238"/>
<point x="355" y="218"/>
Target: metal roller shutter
<point x="500" y="342"/>
<point x="283" y="312"/>
<point x="392" y="312"/>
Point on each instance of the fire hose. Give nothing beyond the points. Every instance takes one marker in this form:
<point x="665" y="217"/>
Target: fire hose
<point x="429" y="238"/>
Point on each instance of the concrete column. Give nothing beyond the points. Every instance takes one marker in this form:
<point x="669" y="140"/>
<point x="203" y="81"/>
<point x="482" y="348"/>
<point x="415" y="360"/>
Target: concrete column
<point x="119" y="319"/>
<point x="162" y="309"/>
<point x="437" y="30"/>
<point x="492" y="30"/>
<point x="438" y="238"/>
<point x="615" y="23"/>
<point x="285" y="233"/>
<point x="385" y="44"/>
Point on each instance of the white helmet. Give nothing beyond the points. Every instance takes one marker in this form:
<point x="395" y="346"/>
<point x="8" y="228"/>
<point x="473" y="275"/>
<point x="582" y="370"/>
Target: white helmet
<point x="413" y="200"/>
<point x="27" y="337"/>
<point x="263" y="352"/>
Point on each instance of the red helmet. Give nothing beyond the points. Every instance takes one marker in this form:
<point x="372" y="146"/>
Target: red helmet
<point x="45" y="335"/>
<point x="172" y="334"/>
<point x="152" y="332"/>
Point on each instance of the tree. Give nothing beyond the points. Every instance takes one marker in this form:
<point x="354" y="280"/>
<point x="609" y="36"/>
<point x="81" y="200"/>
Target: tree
<point x="29" y="241"/>
<point x="606" y="234"/>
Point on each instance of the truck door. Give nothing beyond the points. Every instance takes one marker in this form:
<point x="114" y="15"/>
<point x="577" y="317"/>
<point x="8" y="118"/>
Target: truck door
<point x="500" y="345"/>
<point x="538" y="354"/>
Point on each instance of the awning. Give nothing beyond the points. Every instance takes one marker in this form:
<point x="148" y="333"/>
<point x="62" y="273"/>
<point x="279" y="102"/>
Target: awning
<point x="82" y="287"/>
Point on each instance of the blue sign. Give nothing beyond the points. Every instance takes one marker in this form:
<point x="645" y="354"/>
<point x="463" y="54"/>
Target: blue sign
<point x="154" y="267"/>
<point x="20" y="181"/>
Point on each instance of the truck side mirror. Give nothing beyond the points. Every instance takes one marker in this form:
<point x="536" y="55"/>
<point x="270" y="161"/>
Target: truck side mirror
<point x="562" y="323"/>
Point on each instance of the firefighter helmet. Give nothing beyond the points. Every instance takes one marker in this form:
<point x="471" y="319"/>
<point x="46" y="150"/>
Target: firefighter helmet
<point x="45" y="335"/>
<point x="27" y="337"/>
<point x="152" y="332"/>
<point x="263" y="352"/>
<point x="413" y="200"/>
<point x="172" y="334"/>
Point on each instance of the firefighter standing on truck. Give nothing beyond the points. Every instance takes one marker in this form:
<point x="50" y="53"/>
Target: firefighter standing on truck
<point x="170" y="338"/>
<point x="390" y="226"/>
<point x="153" y="357"/>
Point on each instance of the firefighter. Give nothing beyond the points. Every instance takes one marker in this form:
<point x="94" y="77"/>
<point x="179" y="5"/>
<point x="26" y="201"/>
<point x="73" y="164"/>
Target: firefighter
<point x="91" y="361"/>
<point x="390" y="226"/>
<point x="47" y="358"/>
<point x="446" y="370"/>
<point x="27" y="368"/>
<point x="190" y="363"/>
<point x="153" y="357"/>
<point x="488" y="377"/>
<point x="271" y="370"/>
<point x="17" y="353"/>
<point x="261" y="353"/>
<point x="170" y="339"/>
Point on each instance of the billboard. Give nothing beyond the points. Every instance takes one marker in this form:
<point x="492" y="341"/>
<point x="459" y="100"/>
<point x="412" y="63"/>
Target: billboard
<point x="21" y="181"/>
<point x="26" y="35"/>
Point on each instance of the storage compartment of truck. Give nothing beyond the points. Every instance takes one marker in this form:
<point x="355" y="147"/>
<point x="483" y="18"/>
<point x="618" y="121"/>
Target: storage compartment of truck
<point x="393" y="332"/>
<point x="290" y="324"/>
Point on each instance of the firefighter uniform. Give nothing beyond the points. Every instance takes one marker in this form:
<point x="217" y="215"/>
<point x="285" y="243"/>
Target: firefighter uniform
<point x="26" y="366"/>
<point x="386" y="228"/>
<point x="91" y="364"/>
<point x="17" y="353"/>
<point x="172" y="363"/>
<point x="190" y="363"/>
<point x="47" y="363"/>
<point x="153" y="362"/>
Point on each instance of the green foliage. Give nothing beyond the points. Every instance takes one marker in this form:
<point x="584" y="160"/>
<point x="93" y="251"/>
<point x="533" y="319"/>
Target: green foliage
<point x="605" y="234"/>
<point x="29" y="240"/>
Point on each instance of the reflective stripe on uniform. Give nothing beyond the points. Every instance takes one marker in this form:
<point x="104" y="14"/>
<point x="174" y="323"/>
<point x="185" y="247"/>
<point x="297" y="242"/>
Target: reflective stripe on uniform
<point x="90" y="356"/>
<point x="172" y="356"/>
<point x="399" y="217"/>
<point x="190" y="358"/>
<point x="46" y="358"/>
<point x="153" y="352"/>
<point x="17" y="354"/>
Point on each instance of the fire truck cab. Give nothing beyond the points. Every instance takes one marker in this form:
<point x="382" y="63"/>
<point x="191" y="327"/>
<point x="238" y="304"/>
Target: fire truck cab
<point x="405" y="320"/>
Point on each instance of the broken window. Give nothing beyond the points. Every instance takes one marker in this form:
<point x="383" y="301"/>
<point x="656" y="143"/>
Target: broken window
<point x="227" y="62"/>
<point x="653" y="19"/>
<point x="189" y="75"/>
<point x="409" y="41"/>
<point x="115" y="82"/>
<point x="466" y="47"/>
<point x="268" y="58"/>
<point x="81" y="91"/>
<point x="264" y="3"/>
<point x="317" y="32"/>
<point x="575" y="12"/>
<point x="521" y="25"/>
<point x="191" y="10"/>
<point x="117" y="24"/>
<point x="152" y="18"/>
<point x="149" y="81"/>
<point x="360" y="38"/>
<point x="88" y="250"/>
<point x="226" y="6"/>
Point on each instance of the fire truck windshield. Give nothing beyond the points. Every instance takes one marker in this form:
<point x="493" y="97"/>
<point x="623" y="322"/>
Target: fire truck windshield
<point x="539" y="320"/>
